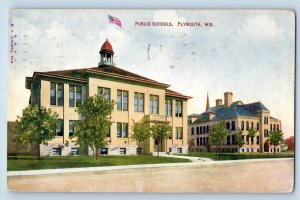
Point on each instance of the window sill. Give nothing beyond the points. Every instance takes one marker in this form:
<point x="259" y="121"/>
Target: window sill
<point x="56" y="106"/>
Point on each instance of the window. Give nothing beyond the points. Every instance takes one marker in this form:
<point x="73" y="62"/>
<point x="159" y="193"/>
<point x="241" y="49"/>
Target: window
<point x="168" y="107"/>
<point x="71" y="96"/>
<point x="74" y="151"/>
<point x="228" y="139"/>
<point x="201" y="142"/>
<point x="257" y="139"/>
<point x="71" y="127"/>
<point x="247" y="125"/>
<point x="200" y="129"/>
<point x="228" y="125"/>
<point x="139" y="151"/>
<point x="153" y="104"/>
<point x="56" y="151"/>
<point x="122" y="100"/>
<point x="60" y="128"/>
<point x="57" y="94"/>
<point x="266" y="132"/>
<point x="233" y="125"/>
<point x="271" y="127"/>
<point x="75" y="95"/>
<point x="266" y="120"/>
<point x="53" y="94"/>
<point x="204" y="129"/>
<point x="192" y="131"/>
<point x="178" y="132"/>
<point x="122" y="130"/>
<point x="207" y="129"/>
<point x="108" y="132"/>
<point x="104" y="92"/>
<point x="233" y="139"/>
<point x="247" y="140"/>
<point x="179" y="150"/>
<point x="242" y="125"/>
<point x="198" y="142"/>
<point x="178" y="109"/>
<point x="170" y="149"/>
<point x="197" y="130"/>
<point x="138" y="102"/>
<point x="78" y="96"/>
<point x="277" y="127"/>
<point x="104" y="151"/>
<point x="122" y="151"/>
<point x="257" y="126"/>
<point x="252" y="126"/>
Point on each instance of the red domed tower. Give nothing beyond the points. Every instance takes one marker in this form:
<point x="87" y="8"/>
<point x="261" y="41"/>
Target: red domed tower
<point x="106" y="55"/>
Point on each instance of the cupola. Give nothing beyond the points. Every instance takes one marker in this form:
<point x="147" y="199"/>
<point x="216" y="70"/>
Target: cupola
<point x="106" y="55"/>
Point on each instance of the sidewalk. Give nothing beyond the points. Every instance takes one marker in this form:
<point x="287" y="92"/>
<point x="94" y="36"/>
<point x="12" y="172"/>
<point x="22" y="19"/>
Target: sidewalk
<point x="196" y="161"/>
<point x="191" y="158"/>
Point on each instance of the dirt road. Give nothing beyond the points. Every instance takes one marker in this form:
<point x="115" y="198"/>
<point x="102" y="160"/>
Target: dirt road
<point x="251" y="176"/>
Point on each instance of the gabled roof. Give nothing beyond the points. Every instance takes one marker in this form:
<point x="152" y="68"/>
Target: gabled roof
<point x="236" y="109"/>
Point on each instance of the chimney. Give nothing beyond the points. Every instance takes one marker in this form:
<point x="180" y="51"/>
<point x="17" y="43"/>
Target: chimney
<point x="218" y="102"/>
<point x="227" y="99"/>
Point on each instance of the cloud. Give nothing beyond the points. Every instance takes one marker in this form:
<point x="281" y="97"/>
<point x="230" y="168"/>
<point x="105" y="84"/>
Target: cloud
<point x="259" y="27"/>
<point x="170" y="16"/>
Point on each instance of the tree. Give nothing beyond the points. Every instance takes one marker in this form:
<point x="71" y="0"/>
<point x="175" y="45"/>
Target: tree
<point x="96" y="120"/>
<point x="275" y="138"/>
<point x="239" y="140"/>
<point x="218" y="134"/>
<point x="160" y="132"/>
<point x="140" y="132"/>
<point x="36" y="126"/>
<point x="251" y="135"/>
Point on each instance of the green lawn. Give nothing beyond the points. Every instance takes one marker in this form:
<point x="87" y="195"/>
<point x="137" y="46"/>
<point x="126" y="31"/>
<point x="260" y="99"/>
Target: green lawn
<point x="31" y="163"/>
<point x="236" y="156"/>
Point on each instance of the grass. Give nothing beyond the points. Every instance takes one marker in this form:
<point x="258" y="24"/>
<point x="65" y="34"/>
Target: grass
<point x="236" y="156"/>
<point x="15" y="163"/>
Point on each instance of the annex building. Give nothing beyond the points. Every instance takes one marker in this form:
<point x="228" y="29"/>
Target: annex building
<point x="238" y="116"/>
<point x="137" y="98"/>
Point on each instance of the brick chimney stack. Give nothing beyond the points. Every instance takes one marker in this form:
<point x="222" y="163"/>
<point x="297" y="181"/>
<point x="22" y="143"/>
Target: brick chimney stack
<point x="218" y="102"/>
<point x="228" y="99"/>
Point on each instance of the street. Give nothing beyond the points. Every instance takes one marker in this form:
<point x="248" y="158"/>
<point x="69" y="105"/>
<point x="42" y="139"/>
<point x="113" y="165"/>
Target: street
<point x="268" y="175"/>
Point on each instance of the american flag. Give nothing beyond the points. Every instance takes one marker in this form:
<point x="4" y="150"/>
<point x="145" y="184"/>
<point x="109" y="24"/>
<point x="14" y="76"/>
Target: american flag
<point x="114" y="20"/>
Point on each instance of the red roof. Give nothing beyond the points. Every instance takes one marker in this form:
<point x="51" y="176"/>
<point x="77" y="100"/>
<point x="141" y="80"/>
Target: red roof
<point x="176" y="94"/>
<point x="106" y="46"/>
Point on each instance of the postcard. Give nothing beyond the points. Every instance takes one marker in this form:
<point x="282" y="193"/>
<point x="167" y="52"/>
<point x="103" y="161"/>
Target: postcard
<point x="125" y="100"/>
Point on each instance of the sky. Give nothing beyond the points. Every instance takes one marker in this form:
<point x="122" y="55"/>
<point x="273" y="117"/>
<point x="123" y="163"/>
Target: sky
<point x="250" y="53"/>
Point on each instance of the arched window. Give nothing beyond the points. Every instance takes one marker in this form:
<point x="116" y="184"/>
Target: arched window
<point x="233" y="125"/>
<point x="228" y="125"/>
<point x="247" y="125"/>
<point x="228" y="139"/>
<point x="252" y="126"/>
<point x="207" y="129"/>
<point x="201" y="130"/>
<point x="274" y="128"/>
<point x="271" y="127"/>
<point x="242" y="125"/>
<point x="197" y="130"/>
<point x="204" y="129"/>
<point x="257" y="126"/>
<point x="192" y="130"/>
<point x="278" y="127"/>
